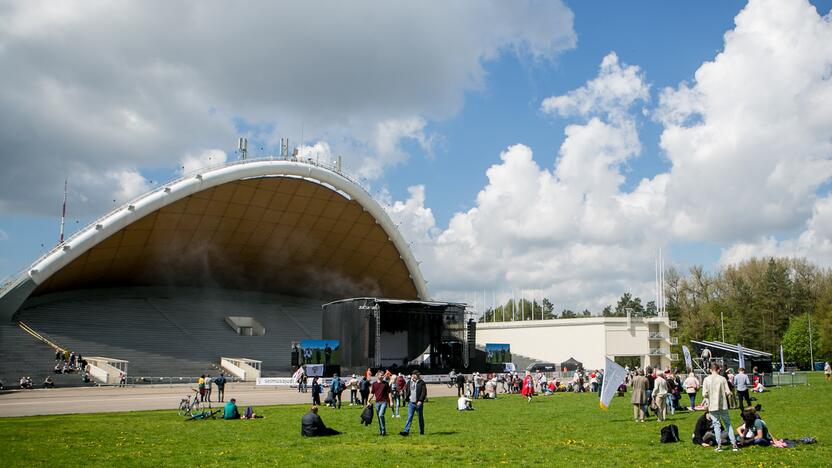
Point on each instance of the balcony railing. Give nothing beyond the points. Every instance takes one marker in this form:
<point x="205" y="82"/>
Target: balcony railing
<point x="657" y="352"/>
<point x="657" y="336"/>
<point x="673" y="324"/>
<point x="674" y="357"/>
<point x="674" y="340"/>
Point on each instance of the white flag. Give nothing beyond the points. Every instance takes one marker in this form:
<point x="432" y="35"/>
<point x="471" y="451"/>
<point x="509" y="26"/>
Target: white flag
<point x="782" y="362"/>
<point x="614" y="376"/>
<point x="688" y="360"/>
<point x="742" y="356"/>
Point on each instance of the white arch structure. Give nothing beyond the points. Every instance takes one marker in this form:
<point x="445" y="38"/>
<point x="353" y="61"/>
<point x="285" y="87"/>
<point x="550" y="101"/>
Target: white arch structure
<point x="15" y="292"/>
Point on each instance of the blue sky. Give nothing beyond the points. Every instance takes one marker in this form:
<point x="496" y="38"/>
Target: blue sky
<point x="469" y="122"/>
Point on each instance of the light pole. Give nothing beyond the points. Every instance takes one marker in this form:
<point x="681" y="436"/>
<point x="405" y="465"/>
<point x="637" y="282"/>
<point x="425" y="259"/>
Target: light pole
<point x="811" y="351"/>
<point x="722" y="321"/>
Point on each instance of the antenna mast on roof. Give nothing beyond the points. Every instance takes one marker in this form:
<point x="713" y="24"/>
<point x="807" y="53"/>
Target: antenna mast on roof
<point x="284" y="147"/>
<point x="63" y="214"/>
<point x="242" y="145"/>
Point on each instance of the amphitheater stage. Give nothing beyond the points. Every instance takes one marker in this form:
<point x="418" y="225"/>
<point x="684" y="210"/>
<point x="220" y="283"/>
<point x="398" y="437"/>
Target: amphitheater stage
<point x="147" y="397"/>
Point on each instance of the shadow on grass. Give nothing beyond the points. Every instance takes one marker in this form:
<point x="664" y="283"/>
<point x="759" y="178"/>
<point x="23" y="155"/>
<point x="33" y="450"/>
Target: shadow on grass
<point x="442" y="433"/>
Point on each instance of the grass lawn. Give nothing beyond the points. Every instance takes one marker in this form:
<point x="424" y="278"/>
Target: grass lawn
<point x="550" y="431"/>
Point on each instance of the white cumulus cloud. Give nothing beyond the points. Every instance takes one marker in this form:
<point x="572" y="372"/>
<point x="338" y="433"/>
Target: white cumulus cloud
<point x="97" y="87"/>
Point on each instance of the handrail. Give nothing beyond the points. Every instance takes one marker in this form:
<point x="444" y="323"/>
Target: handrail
<point x="11" y="279"/>
<point x="39" y="337"/>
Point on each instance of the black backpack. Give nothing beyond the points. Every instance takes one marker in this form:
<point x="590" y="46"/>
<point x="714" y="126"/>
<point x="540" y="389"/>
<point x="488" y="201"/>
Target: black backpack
<point x="367" y="415"/>
<point x="670" y="434"/>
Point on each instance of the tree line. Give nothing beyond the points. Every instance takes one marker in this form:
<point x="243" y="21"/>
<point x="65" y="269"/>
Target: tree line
<point x="759" y="303"/>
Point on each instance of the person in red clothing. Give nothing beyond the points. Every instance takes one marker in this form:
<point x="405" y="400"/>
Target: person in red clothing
<point x="380" y="392"/>
<point x="528" y="386"/>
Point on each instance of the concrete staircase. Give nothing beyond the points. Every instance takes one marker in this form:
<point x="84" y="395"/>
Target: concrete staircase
<point x="178" y="335"/>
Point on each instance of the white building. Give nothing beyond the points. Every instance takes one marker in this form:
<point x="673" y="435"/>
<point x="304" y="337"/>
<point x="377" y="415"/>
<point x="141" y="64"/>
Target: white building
<point x="588" y="340"/>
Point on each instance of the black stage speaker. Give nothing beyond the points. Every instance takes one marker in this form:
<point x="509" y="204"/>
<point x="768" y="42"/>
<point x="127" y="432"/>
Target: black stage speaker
<point x="471" y="337"/>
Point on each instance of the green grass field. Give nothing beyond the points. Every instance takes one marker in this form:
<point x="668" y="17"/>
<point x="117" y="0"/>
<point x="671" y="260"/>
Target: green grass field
<point x="550" y="431"/>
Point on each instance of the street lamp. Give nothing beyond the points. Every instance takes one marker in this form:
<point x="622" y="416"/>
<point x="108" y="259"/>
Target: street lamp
<point x="811" y="351"/>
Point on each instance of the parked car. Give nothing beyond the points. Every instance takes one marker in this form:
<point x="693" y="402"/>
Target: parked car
<point x="542" y="367"/>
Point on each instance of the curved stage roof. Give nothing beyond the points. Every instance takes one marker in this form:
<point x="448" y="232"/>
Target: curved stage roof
<point x="269" y="225"/>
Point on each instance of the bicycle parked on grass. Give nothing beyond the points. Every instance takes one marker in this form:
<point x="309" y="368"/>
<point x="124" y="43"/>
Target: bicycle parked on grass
<point x="191" y="405"/>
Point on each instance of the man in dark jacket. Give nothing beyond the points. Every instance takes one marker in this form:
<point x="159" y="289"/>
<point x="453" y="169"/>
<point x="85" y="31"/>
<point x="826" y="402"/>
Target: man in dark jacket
<point x="416" y="394"/>
<point x="311" y="425"/>
<point x="220" y="383"/>
<point x="703" y="432"/>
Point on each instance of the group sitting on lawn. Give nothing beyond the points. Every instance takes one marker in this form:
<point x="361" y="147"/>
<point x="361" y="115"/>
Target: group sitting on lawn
<point x="230" y="411"/>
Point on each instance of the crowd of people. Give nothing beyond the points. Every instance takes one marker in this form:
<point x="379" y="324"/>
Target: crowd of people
<point x="66" y="362"/>
<point x="376" y="393"/>
<point x="721" y="390"/>
<point x="528" y="384"/>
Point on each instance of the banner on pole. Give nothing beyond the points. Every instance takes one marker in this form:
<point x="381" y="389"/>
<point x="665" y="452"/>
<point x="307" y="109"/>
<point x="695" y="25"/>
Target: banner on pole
<point x="614" y="376"/>
<point x="688" y="360"/>
<point x="741" y="356"/>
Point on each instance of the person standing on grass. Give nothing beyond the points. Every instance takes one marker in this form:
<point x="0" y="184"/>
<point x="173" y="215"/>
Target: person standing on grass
<point x="208" y="381"/>
<point x="649" y="374"/>
<point x="741" y="383"/>
<point x="660" y="396"/>
<point x="691" y="387"/>
<point x="715" y="390"/>
<point x="220" y="383"/>
<point x="353" y="386"/>
<point x="364" y="389"/>
<point x="639" y="397"/>
<point x="337" y="386"/>
<point x="316" y="392"/>
<point x="827" y="371"/>
<point x="528" y="386"/>
<point x="396" y="395"/>
<point x="417" y="393"/>
<point x="380" y="392"/>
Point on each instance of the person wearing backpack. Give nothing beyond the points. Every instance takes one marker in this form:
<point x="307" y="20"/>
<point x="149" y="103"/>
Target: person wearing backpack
<point x="337" y="387"/>
<point x="220" y="383"/>
<point x="364" y="389"/>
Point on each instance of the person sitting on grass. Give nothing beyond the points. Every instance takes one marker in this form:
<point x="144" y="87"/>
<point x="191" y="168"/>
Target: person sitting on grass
<point x="464" y="403"/>
<point x="230" y="411"/>
<point x="703" y="432"/>
<point x="754" y="430"/>
<point x="311" y="425"/>
<point x="250" y="414"/>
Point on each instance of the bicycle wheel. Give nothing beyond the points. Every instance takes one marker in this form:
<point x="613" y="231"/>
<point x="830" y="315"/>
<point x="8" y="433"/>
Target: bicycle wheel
<point x="184" y="408"/>
<point x="196" y="408"/>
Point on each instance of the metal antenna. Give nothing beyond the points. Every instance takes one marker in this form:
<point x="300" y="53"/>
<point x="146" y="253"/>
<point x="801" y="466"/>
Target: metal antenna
<point x="242" y="145"/>
<point x="63" y="213"/>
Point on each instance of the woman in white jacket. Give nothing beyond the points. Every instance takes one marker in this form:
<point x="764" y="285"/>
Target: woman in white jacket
<point x="691" y="387"/>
